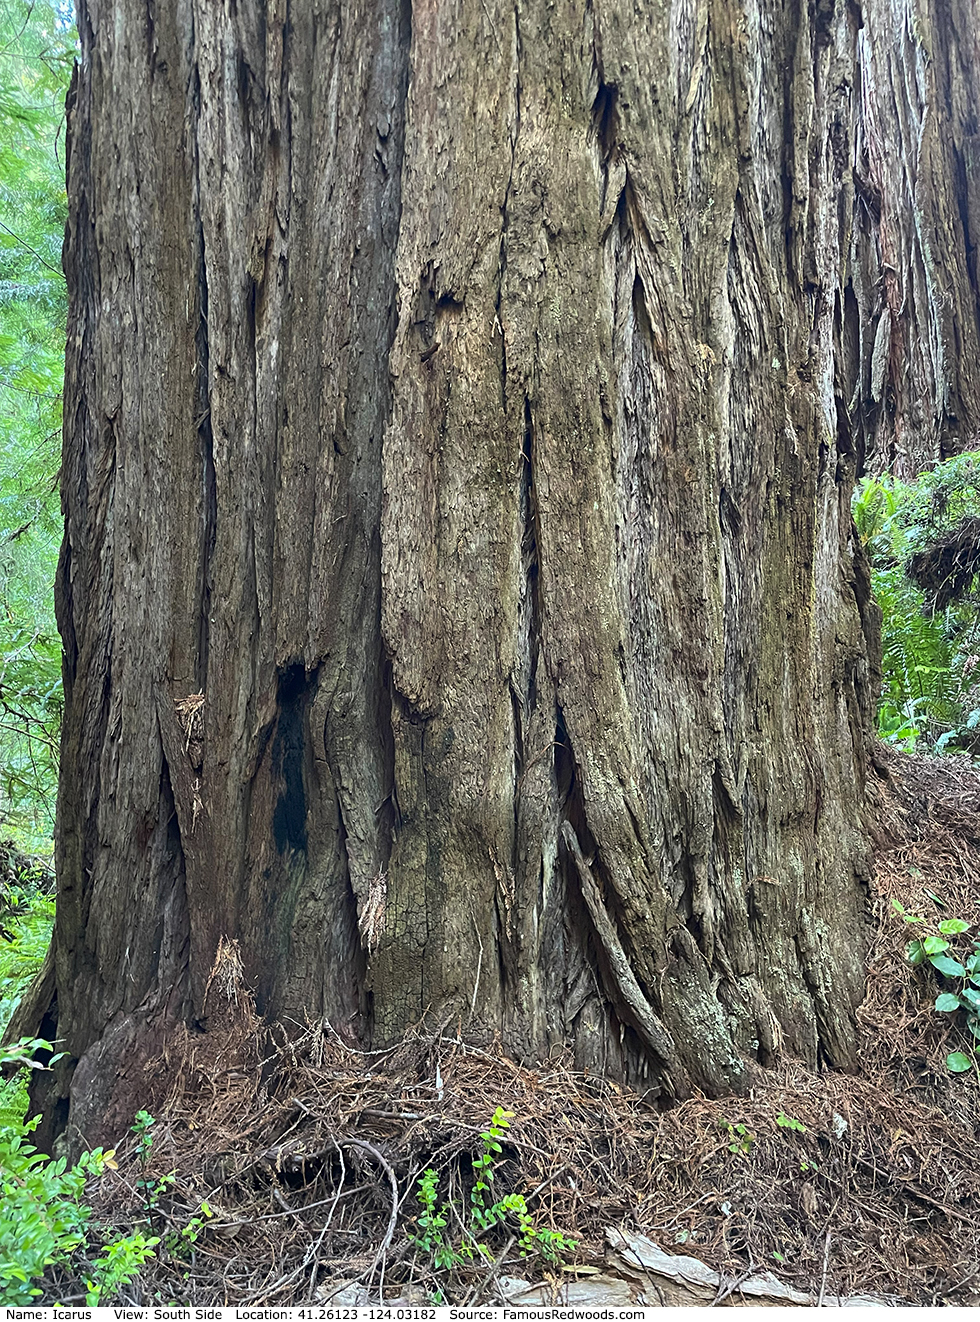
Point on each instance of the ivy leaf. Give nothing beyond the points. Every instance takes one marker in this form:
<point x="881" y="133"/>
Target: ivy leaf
<point x="950" y="967"/>
<point x="934" y="945"/>
<point x="958" y="1062"/>
<point x="946" y="1001"/>
<point x="953" y="926"/>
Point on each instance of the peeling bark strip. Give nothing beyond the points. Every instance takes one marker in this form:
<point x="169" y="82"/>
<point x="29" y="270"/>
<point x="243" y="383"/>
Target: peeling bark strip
<point x="464" y="404"/>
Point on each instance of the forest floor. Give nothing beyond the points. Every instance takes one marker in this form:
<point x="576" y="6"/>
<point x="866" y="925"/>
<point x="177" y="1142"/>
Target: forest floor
<point x="309" y="1155"/>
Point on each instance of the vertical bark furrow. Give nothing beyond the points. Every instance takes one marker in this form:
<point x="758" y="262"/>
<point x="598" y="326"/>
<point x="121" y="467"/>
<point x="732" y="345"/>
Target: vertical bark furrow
<point x="912" y="252"/>
<point x="208" y="532"/>
<point x="625" y="992"/>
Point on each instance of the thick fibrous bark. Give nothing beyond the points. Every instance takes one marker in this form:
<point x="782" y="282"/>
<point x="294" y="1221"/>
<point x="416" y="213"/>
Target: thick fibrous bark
<point x="466" y="400"/>
<point x="916" y="224"/>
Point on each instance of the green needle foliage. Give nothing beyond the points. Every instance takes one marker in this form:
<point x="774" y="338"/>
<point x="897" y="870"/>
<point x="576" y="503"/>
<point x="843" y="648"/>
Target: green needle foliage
<point x="37" y="45"/>
<point x="930" y="651"/>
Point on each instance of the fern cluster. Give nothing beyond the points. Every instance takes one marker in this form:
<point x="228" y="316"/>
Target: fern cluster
<point x="930" y="657"/>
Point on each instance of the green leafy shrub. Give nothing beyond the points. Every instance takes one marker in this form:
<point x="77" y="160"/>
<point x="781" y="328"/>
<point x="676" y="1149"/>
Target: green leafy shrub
<point x="935" y="947"/>
<point x="119" y="1263"/>
<point x="44" y="1221"/>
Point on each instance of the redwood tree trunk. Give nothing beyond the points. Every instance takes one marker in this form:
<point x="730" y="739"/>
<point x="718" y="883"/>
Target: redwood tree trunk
<point x="465" y="398"/>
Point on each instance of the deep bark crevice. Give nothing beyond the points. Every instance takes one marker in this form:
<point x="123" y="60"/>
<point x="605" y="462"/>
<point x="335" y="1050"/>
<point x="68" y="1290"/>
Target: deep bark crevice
<point x="622" y="989"/>
<point x="608" y="929"/>
<point x="208" y="532"/>
<point x="294" y="688"/>
<point x="605" y="118"/>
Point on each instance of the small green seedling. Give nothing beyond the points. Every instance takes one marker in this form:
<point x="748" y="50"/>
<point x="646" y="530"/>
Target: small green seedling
<point x="933" y="948"/>
<point x="180" y="1243"/>
<point x="741" y="1139"/>
<point x="485" y="1212"/>
<point x="152" y="1190"/>
<point x="432" y="1222"/>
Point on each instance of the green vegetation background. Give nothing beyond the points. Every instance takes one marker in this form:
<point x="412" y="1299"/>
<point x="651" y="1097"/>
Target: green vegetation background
<point x="37" y="48"/>
<point x="930" y="697"/>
